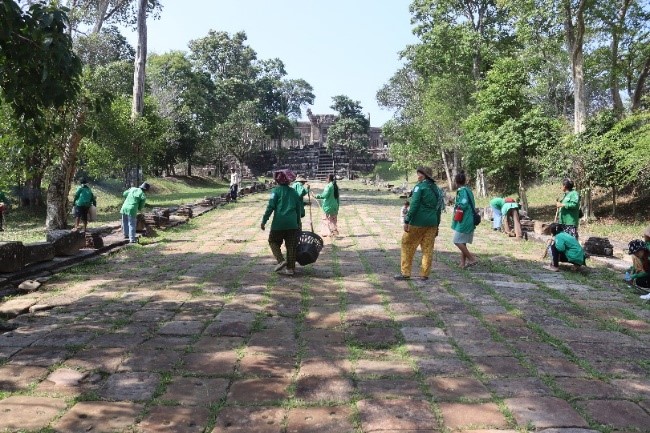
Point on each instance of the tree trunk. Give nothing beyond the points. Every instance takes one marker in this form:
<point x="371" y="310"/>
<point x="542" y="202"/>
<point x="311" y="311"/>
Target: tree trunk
<point x="575" y="40"/>
<point x="481" y="188"/>
<point x="523" y="197"/>
<point x="32" y="195"/>
<point x="617" y="26"/>
<point x="57" y="192"/>
<point x="640" y="85"/>
<point x="102" y="7"/>
<point x="189" y="166"/>
<point x="140" y="62"/>
<point x="445" y="163"/>
<point x="614" y="191"/>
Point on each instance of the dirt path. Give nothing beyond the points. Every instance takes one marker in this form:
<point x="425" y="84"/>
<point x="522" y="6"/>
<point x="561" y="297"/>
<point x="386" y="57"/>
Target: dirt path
<point x="195" y="333"/>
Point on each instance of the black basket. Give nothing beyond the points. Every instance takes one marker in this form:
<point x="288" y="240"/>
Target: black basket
<point x="309" y="246"/>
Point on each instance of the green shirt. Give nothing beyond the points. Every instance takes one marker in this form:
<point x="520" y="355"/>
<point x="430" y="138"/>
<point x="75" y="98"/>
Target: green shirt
<point x="286" y="206"/>
<point x="464" y="200"/>
<point x="84" y="197"/>
<point x="497" y="202"/>
<point x="569" y="212"/>
<point x="3" y="198"/>
<point x="134" y="202"/>
<point x="423" y="211"/>
<point x="330" y="203"/>
<point x="567" y="244"/>
<point x="300" y="189"/>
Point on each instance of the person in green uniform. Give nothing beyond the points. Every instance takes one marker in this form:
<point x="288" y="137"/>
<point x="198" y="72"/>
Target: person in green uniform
<point x="639" y="273"/>
<point x="286" y="206"/>
<point x="463" y="221"/>
<point x="568" y="209"/>
<point x="301" y="186"/>
<point x="421" y="224"/>
<point x="510" y="210"/>
<point x="4" y="205"/>
<point x="330" y="197"/>
<point x="564" y="248"/>
<point x="134" y="201"/>
<point x="496" y="203"/>
<point x="83" y="199"/>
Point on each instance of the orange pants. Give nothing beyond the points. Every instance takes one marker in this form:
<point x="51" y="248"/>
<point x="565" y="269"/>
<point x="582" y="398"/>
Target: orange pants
<point x="425" y="238"/>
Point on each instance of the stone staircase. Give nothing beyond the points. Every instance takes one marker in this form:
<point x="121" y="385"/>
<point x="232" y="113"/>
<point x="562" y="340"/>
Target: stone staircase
<point x="325" y="165"/>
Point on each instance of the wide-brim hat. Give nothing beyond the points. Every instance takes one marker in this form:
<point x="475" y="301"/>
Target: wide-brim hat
<point x="284" y="177"/>
<point x="647" y="232"/>
<point x="425" y="171"/>
<point x="636" y="245"/>
<point x="301" y="178"/>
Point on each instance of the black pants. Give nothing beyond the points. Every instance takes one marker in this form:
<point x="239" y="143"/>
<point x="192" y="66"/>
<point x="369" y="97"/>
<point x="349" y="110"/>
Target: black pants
<point x="643" y="282"/>
<point x="290" y="239"/>
<point x="233" y="192"/>
<point x="556" y="256"/>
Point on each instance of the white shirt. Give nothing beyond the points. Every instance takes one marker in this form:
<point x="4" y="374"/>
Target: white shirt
<point x="235" y="179"/>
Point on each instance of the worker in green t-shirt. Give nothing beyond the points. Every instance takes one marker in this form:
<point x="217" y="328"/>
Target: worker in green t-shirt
<point x="564" y="248"/>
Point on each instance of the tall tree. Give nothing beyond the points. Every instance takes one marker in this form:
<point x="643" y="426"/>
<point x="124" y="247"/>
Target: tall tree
<point x="350" y="130"/>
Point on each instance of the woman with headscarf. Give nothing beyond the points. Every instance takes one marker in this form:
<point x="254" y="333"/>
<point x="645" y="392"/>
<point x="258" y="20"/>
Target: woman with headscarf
<point x="568" y="209"/>
<point x="330" y="197"/>
<point x="421" y="224"/>
<point x="639" y="273"/>
<point x="564" y="248"/>
<point x="463" y="221"/>
<point x="286" y="206"/>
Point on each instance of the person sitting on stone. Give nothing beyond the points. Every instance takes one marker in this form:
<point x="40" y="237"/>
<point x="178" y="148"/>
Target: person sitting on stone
<point x="4" y="205"/>
<point x="639" y="273"/>
<point x="564" y="248"/>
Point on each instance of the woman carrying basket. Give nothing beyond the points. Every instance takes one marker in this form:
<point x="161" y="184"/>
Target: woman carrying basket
<point x="330" y="197"/>
<point x="286" y="206"/>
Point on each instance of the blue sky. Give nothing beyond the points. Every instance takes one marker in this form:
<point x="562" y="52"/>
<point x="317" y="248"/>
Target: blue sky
<point x="347" y="47"/>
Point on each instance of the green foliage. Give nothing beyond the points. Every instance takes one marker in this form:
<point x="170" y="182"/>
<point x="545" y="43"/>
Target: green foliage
<point x="38" y="68"/>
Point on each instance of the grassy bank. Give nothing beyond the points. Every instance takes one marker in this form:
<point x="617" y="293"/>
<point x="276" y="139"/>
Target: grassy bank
<point x="632" y="216"/>
<point x="27" y="225"/>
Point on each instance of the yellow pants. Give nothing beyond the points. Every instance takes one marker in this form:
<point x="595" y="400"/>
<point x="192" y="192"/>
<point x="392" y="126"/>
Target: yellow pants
<point x="425" y="237"/>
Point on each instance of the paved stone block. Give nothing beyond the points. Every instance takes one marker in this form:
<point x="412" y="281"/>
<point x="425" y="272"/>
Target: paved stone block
<point x="372" y="368"/>
<point x="633" y="388"/>
<point x="250" y="419"/>
<point x="544" y="412"/>
<point x="484" y="348"/>
<point x="325" y="367"/>
<point x="436" y="349"/>
<point x="323" y="317"/>
<point x="39" y="357"/>
<point x="320" y="420"/>
<point x="18" y="377"/>
<point x="150" y="360"/>
<point x="130" y="386"/>
<point x="102" y="359"/>
<point x="16" y="306"/>
<point x="28" y="413"/>
<point x="258" y="391"/>
<point x="363" y="313"/>
<point x="390" y="388"/>
<point x="400" y="414"/>
<point x="619" y="414"/>
<point x="195" y="391"/>
<point x="217" y="344"/>
<point x="422" y="335"/>
<point x="456" y="388"/>
<point x="154" y="315"/>
<point x="314" y="388"/>
<point x="232" y="324"/>
<point x="500" y="366"/>
<point x="210" y="363"/>
<point x="181" y="327"/>
<point x="559" y="367"/>
<point x="519" y="387"/>
<point x="373" y="337"/>
<point x="462" y="416"/>
<point x="443" y="367"/>
<point x="587" y="388"/>
<point x="267" y="365"/>
<point x="164" y="419"/>
<point x="98" y="417"/>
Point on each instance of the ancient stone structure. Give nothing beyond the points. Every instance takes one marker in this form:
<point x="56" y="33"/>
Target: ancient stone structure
<point x="314" y="133"/>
